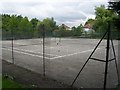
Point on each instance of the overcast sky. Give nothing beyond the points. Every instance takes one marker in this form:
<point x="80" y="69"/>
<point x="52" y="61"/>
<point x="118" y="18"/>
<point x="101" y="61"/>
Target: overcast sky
<point x="69" y="12"/>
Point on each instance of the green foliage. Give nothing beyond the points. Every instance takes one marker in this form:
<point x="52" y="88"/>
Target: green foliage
<point x="90" y="21"/>
<point x="7" y="83"/>
<point x="103" y="16"/>
<point x="20" y="26"/>
<point x="0" y="27"/>
<point x="50" y="26"/>
<point x="0" y="81"/>
<point x="6" y="33"/>
<point x="63" y="32"/>
<point x="34" y="22"/>
<point x="115" y="6"/>
<point x="23" y="28"/>
<point x="77" y="31"/>
<point x="100" y="23"/>
<point x="0" y="21"/>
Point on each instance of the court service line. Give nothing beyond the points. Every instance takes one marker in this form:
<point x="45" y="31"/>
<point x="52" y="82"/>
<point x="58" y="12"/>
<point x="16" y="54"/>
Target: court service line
<point x="74" y="53"/>
<point x="34" y="52"/>
<point x="53" y="57"/>
<point x="26" y="53"/>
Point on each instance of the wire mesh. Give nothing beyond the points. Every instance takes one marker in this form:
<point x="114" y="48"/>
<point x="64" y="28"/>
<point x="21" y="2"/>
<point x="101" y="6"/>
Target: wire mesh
<point x="63" y="57"/>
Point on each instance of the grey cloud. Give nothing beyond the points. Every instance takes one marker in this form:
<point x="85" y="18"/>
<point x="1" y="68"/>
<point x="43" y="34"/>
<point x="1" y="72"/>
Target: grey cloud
<point x="89" y="7"/>
<point x="32" y="4"/>
<point x="61" y="11"/>
<point x="8" y="11"/>
<point x="70" y="18"/>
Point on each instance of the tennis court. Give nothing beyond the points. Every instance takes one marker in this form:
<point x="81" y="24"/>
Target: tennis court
<point x="64" y="57"/>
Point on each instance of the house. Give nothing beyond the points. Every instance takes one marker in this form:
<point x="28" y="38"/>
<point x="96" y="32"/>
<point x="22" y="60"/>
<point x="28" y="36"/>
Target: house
<point x="65" y="27"/>
<point x="88" y="29"/>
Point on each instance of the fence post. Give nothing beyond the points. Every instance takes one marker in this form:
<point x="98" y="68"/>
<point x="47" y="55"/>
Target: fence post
<point x="43" y="28"/>
<point x="12" y="47"/>
<point x="107" y="56"/>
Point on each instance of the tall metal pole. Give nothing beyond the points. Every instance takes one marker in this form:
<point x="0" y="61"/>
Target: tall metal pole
<point x="12" y="47"/>
<point x="115" y="60"/>
<point x="107" y="56"/>
<point x="108" y="34"/>
<point x="43" y="28"/>
<point x="88" y="59"/>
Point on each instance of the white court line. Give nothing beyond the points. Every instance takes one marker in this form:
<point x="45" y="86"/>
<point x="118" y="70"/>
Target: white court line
<point x="73" y="54"/>
<point x="53" y="57"/>
<point x="27" y="53"/>
<point x="34" y="52"/>
<point x="49" y="47"/>
<point x="25" y="44"/>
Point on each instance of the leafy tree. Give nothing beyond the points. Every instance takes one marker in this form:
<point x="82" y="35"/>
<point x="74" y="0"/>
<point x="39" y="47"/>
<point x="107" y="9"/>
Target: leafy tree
<point x="0" y="21"/>
<point x="77" y="31"/>
<point x="73" y="28"/>
<point x="34" y="22"/>
<point x="90" y="21"/>
<point x="100" y="23"/>
<point x="39" y="31"/>
<point x="102" y="17"/>
<point x="0" y="26"/>
<point x="13" y="26"/>
<point x="115" y="6"/>
<point x="25" y="28"/>
<point x="19" y="18"/>
<point x="56" y="33"/>
<point x="50" y="26"/>
<point x="5" y="23"/>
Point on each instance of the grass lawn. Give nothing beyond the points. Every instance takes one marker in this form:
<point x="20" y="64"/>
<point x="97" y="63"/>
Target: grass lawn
<point x="0" y="81"/>
<point x="8" y="83"/>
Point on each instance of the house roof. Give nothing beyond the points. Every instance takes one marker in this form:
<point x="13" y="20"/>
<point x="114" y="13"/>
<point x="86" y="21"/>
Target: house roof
<point x="88" y="26"/>
<point x="65" y="26"/>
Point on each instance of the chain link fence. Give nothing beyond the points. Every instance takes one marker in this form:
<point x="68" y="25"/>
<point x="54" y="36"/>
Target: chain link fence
<point x="58" y="57"/>
<point x="0" y="52"/>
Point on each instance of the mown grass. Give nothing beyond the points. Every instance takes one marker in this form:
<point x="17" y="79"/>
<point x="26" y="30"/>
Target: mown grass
<point x="9" y="83"/>
<point x="0" y="81"/>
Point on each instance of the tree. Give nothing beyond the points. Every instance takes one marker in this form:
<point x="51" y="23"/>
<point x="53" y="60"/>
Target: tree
<point x="25" y="27"/>
<point x="5" y="23"/>
<point x="39" y="31"/>
<point x="115" y="6"/>
<point x="0" y="21"/>
<point x="102" y="17"/>
<point x="13" y="26"/>
<point x="90" y="21"/>
<point x="34" y="22"/>
<point x="50" y="26"/>
<point x="77" y="31"/>
<point x="0" y="26"/>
